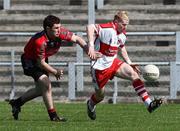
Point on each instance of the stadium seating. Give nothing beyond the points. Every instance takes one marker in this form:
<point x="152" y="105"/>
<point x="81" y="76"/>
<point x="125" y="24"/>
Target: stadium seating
<point x="27" y="16"/>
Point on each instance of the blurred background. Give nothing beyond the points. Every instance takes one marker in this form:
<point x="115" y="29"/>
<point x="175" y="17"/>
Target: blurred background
<point x="153" y="37"/>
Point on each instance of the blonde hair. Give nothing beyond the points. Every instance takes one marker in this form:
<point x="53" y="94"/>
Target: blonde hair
<point x="121" y="15"/>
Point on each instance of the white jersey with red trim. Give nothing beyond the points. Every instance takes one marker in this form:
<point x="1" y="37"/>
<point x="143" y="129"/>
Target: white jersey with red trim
<point x="107" y="42"/>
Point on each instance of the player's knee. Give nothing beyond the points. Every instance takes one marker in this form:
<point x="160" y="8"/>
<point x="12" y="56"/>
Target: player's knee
<point x="134" y="75"/>
<point x="44" y="83"/>
<point x="100" y="96"/>
<point x="100" y="92"/>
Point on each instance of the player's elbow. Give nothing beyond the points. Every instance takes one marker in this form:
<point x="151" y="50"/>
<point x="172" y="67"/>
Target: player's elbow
<point x="90" y="27"/>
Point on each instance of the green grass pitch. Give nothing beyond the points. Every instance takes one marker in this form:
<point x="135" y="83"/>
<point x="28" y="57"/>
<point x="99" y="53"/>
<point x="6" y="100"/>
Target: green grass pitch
<point x="119" y="117"/>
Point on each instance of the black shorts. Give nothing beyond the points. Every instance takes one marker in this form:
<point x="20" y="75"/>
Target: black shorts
<point x="31" y="69"/>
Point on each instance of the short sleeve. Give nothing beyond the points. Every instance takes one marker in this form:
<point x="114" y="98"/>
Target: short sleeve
<point x="65" y="34"/>
<point x="121" y="39"/>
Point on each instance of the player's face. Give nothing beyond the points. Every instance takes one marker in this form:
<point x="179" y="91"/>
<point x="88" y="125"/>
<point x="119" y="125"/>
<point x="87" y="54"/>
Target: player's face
<point x="54" y="31"/>
<point x="122" y="25"/>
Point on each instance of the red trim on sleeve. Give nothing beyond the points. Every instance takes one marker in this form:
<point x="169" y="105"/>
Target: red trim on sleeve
<point x="65" y="34"/>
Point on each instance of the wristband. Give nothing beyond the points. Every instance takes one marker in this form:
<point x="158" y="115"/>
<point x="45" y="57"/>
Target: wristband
<point x="91" y="43"/>
<point x="128" y="61"/>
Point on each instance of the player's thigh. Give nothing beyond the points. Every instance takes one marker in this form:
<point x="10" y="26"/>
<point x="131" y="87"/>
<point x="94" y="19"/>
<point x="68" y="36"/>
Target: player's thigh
<point x="125" y="71"/>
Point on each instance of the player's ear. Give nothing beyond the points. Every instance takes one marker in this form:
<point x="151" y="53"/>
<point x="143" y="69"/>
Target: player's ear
<point x="115" y="21"/>
<point x="47" y="27"/>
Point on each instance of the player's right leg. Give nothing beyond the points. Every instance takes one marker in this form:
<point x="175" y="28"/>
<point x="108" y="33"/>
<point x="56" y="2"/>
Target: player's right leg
<point x="154" y="104"/>
<point x="127" y="72"/>
<point x="45" y="85"/>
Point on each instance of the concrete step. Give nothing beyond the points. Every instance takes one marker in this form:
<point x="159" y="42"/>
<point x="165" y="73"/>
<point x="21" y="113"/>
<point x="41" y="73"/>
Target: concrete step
<point x="5" y="71"/>
<point x="135" y="2"/>
<point x="136" y="53"/>
<point x="150" y="17"/>
<point x="76" y="25"/>
<point x="154" y="27"/>
<point x="45" y="10"/>
<point x="77" y="28"/>
<point x="147" y="20"/>
<point x="47" y="2"/>
<point x="39" y="2"/>
<point x="163" y="81"/>
<point x="154" y="8"/>
<point x="150" y="40"/>
<point x="19" y="80"/>
<point x="142" y="19"/>
<point x="107" y="9"/>
<point x="85" y="2"/>
<point x="125" y="89"/>
<point x="151" y="48"/>
<point x="38" y="27"/>
<point x="145" y="40"/>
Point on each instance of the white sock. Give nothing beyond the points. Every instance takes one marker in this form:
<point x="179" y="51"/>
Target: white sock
<point x="147" y="102"/>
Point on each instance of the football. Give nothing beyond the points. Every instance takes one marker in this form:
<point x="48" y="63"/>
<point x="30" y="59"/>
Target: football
<point x="151" y="73"/>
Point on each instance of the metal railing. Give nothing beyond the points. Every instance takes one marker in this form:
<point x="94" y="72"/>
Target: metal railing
<point x="6" y="4"/>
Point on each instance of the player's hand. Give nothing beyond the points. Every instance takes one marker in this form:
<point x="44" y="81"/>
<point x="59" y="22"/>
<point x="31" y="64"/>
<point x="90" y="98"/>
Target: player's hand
<point x="136" y="68"/>
<point x="93" y="54"/>
<point x="58" y="74"/>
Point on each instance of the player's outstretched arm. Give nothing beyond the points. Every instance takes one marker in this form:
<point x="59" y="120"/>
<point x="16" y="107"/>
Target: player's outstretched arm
<point x="80" y="41"/>
<point x="127" y="59"/>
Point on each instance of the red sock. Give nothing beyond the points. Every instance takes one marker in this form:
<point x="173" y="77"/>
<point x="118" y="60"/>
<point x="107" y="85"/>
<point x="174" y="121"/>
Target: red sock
<point x="51" y="110"/>
<point x="94" y="100"/>
<point x="52" y="113"/>
<point x="139" y="88"/>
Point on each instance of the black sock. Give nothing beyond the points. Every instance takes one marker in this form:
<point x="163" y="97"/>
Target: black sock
<point x="19" y="102"/>
<point x="52" y="113"/>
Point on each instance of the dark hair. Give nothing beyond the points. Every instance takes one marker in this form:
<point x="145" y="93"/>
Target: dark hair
<point x="50" y="20"/>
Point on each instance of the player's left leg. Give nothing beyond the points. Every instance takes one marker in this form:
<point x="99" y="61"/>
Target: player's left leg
<point x="34" y="72"/>
<point x="95" y="98"/>
<point x="16" y="109"/>
<point x="126" y="71"/>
